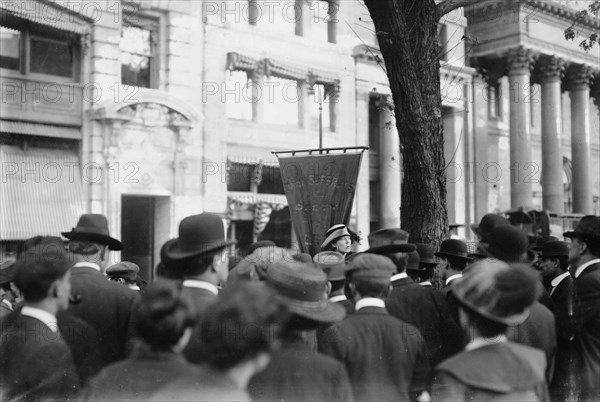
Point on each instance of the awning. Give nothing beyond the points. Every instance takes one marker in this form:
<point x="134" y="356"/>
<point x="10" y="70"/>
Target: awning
<point x="236" y="61"/>
<point x="43" y="130"/>
<point x="252" y="160"/>
<point x="45" y="13"/>
<point x="277" y="201"/>
<point x="40" y="192"/>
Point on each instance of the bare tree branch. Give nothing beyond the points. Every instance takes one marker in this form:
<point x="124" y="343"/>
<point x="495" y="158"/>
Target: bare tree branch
<point x="447" y="6"/>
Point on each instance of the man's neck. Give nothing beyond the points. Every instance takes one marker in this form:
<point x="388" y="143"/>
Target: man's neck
<point x="47" y="305"/>
<point x="205" y="277"/>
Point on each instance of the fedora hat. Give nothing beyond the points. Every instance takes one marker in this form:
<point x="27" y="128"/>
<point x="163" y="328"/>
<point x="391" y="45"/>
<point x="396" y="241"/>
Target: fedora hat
<point x="498" y="291"/>
<point x="554" y="249"/>
<point x="506" y="243"/>
<point x="453" y="248"/>
<point x="93" y="228"/>
<point x="588" y="227"/>
<point x="198" y="235"/>
<point x="487" y="224"/>
<point x="540" y="241"/>
<point x="332" y="263"/>
<point x="392" y="240"/>
<point x="413" y="261"/>
<point x="303" y="287"/>
<point x="426" y="255"/>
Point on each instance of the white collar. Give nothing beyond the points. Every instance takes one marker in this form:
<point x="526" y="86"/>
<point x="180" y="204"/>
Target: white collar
<point x="42" y="315"/>
<point x="453" y="277"/>
<point x="426" y="283"/>
<point x="88" y="265"/>
<point x="192" y="283"/>
<point x="559" y="279"/>
<point x="480" y="342"/>
<point x="133" y="287"/>
<point x="7" y="304"/>
<point x="584" y="266"/>
<point x="338" y="298"/>
<point x="399" y="276"/>
<point x="369" y="302"/>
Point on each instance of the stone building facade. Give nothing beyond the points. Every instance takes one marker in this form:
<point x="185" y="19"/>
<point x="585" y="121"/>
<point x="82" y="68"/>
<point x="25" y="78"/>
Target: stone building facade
<point x="149" y="111"/>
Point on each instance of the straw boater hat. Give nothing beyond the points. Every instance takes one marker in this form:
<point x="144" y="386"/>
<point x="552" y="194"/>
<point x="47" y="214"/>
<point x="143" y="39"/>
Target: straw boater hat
<point x="453" y="248"/>
<point x="198" y="235"/>
<point x="387" y="241"/>
<point x="93" y="228"/>
<point x="303" y="287"/>
<point x="332" y="263"/>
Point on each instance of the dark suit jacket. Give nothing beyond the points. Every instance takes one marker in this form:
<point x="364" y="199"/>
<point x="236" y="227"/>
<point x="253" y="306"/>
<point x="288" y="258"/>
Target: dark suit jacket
<point x="427" y="309"/>
<point x="296" y="373"/>
<point x="562" y="296"/>
<point x="200" y="299"/>
<point x="107" y="307"/>
<point x="35" y="363"/>
<point x="385" y="358"/>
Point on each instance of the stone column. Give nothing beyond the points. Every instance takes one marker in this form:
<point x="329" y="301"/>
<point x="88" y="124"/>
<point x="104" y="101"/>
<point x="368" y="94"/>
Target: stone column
<point x="389" y="166"/>
<point x="579" y="91"/>
<point x="552" y="164"/>
<point x="519" y="63"/>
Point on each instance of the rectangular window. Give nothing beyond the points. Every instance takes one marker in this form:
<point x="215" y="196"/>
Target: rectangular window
<point x="281" y="101"/>
<point x="319" y="23"/>
<point x="50" y="56"/>
<point x="275" y="16"/>
<point x="139" y="65"/>
<point x="239" y="95"/>
<point x="10" y="48"/>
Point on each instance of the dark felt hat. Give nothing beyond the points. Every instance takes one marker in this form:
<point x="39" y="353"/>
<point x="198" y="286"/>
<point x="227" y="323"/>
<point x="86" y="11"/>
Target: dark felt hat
<point x="553" y="249"/>
<point x="198" y="235"/>
<point x="413" y="261"/>
<point x="375" y="266"/>
<point x="506" y="243"/>
<point x="8" y="270"/>
<point x="332" y="263"/>
<point x="587" y="228"/>
<point x="124" y="269"/>
<point x="540" y="241"/>
<point x="93" y="228"/>
<point x="426" y="255"/>
<point x="260" y="244"/>
<point x="487" y="224"/>
<point x="453" y="248"/>
<point x="387" y="241"/>
<point x="303" y="286"/>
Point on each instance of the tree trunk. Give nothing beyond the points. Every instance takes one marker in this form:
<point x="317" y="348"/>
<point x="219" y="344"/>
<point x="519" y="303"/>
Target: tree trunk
<point x="408" y="39"/>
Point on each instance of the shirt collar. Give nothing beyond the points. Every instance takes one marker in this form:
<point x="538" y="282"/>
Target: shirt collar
<point x="584" y="266"/>
<point x="7" y="304"/>
<point x="192" y="283"/>
<point x="426" y="283"/>
<point x="338" y="298"/>
<point x="453" y="277"/>
<point x="369" y="302"/>
<point x="88" y="265"/>
<point x="480" y="342"/>
<point x="47" y="318"/>
<point x="399" y="276"/>
<point x="558" y="279"/>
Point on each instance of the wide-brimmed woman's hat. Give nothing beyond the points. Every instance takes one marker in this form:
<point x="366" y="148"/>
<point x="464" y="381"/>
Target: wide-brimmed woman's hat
<point x="93" y="228"/>
<point x="303" y="287"/>
<point x="334" y="232"/>
<point x="387" y="241"/>
<point x="198" y="235"/>
<point x="497" y="291"/>
<point x="453" y="248"/>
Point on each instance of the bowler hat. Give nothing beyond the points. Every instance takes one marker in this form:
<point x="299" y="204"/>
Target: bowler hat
<point x="124" y="269"/>
<point x="553" y="249"/>
<point x="334" y="232"/>
<point x="426" y="255"/>
<point x="367" y="266"/>
<point x="453" y="248"/>
<point x="540" y="241"/>
<point x="332" y="263"/>
<point x="487" y="224"/>
<point x="588" y="227"/>
<point x="93" y="228"/>
<point x="506" y="243"/>
<point x="387" y="241"/>
<point x="8" y="270"/>
<point x="499" y="292"/>
<point x="198" y="235"/>
<point x="303" y="287"/>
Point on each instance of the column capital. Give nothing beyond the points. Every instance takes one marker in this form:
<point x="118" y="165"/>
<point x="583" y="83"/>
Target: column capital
<point x="520" y="60"/>
<point x="491" y="70"/>
<point x="579" y="76"/>
<point x="551" y="68"/>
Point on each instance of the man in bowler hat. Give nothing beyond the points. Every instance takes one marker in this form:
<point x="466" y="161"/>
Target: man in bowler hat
<point x="198" y="257"/>
<point x="35" y="361"/>
<point x="104" y="304"/>
<point x="386" y="358"/>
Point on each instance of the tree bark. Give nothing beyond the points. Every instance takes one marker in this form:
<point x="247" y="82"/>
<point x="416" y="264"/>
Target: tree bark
<point x="407" y="34"/>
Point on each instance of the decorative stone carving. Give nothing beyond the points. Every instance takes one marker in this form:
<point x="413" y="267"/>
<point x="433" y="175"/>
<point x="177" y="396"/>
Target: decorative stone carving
<point x="153" y="114"/>
<point x="551" y="68"/>
<point x="580" y="76"/>
<point x="519" y="60"/>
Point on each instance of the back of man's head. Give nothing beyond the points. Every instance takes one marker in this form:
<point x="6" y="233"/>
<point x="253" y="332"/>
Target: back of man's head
<point x="38" y="268"/>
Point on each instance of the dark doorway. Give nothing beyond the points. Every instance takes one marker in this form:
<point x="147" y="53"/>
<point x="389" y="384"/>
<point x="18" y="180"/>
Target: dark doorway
<point x="137" y="233"/>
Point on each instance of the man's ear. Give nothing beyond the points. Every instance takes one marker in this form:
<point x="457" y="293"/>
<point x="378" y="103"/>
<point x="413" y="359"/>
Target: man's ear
<point x="328" y="289"/>
<point x="53" y="290"/>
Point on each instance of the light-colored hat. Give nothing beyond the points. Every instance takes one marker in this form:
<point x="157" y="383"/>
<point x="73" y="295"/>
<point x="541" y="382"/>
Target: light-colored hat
<point x="334" y="232"/>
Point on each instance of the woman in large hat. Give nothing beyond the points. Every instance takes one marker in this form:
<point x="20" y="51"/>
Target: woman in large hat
<point x="340" y="238"/>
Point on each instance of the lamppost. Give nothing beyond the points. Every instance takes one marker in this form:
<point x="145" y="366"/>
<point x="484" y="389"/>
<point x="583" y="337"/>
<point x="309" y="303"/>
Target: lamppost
<point x="321" y="96"/>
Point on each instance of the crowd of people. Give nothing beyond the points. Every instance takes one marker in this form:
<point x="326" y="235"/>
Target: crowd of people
<point x="513" y="320"/>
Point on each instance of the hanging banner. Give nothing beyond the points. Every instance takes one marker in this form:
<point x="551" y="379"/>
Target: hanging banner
<point x="320" y="190"/>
